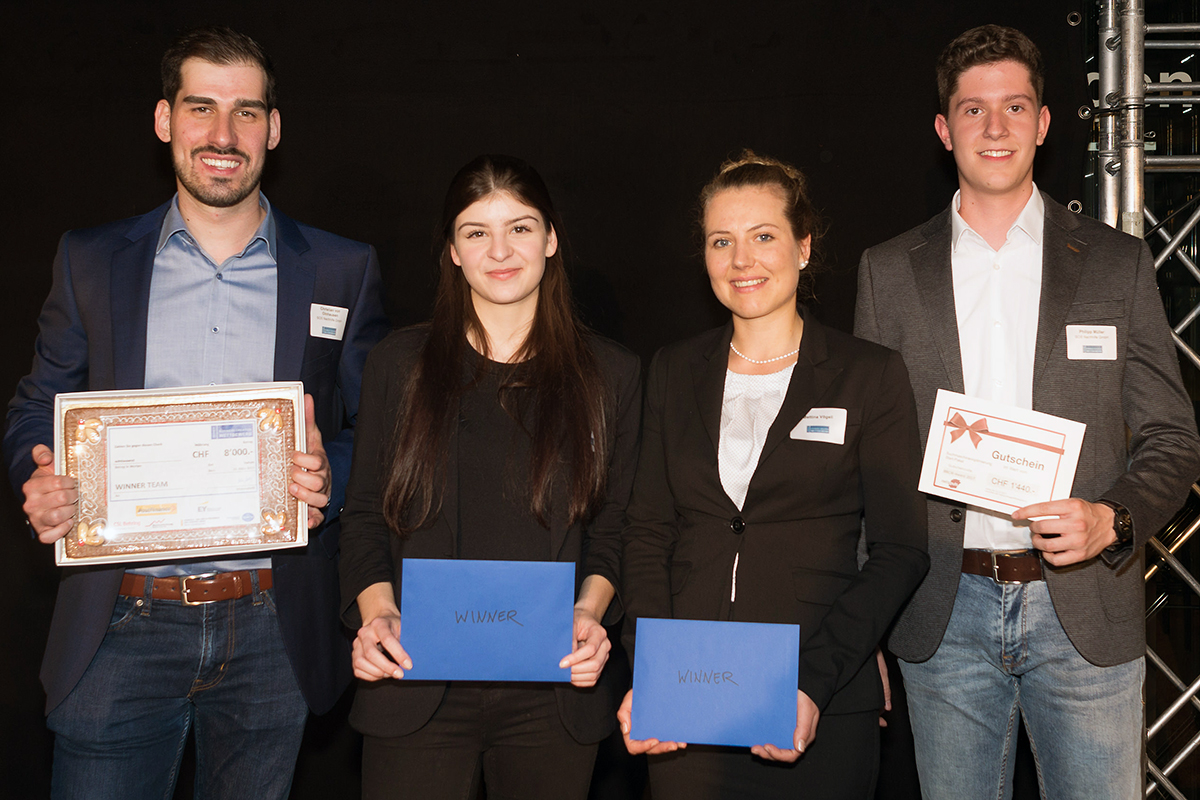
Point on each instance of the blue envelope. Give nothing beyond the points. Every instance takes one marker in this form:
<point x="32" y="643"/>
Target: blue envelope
<point x="487" y="620"/>
<point x="707" y="682"/>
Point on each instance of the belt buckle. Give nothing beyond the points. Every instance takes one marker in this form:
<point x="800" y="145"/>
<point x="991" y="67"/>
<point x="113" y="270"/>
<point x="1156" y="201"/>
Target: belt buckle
<point x="996" y="566"/>
<point x="183" y="588"/>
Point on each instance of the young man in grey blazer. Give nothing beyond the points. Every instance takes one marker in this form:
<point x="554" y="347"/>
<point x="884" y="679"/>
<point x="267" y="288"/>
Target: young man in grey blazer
<point x="1040" y="612"/>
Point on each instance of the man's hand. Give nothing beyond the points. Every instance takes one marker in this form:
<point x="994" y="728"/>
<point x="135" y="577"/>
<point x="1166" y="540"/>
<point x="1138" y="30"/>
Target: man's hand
<point x="310" y="471"/>
<point x="49" y="499"/>
<point x="1075" y="530"/>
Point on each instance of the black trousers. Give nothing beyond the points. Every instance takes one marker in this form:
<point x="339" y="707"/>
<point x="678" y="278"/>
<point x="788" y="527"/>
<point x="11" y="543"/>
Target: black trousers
<point x="509" y="736"/>
<point x="842" y="763"/>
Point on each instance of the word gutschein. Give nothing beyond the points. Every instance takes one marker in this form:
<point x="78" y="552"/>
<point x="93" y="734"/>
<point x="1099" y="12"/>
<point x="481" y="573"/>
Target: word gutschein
<point x="1020" y="462"/>
<point x="499" y="615"/>
<point x="690" y="676"/>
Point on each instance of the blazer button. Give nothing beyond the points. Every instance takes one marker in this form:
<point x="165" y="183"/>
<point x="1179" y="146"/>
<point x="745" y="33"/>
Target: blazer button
<point x="956" y="515"/>
<point x="737" y="525"/>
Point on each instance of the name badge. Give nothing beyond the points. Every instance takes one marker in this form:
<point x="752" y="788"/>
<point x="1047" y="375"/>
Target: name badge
<point x="1092" y="342"/>
<point x="822" y="425"/>
<point x="327" y="322"/>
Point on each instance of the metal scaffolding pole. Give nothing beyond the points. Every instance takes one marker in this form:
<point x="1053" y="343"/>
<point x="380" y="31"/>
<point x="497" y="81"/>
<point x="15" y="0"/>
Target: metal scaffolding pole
<point x="1121" y="169"/>
<point x="1109" y="162"/>
<point x="1133" y="112"/>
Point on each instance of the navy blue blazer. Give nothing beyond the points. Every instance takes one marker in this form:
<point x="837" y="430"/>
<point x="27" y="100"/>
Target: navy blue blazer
<point x="92" y="336"/>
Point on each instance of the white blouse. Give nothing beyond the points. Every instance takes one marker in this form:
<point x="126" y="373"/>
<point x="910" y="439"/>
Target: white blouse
<point x="748" y="409"/>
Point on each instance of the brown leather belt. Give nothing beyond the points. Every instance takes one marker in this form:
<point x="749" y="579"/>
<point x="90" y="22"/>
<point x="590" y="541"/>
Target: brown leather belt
<point x="194" y="590"/>
<point x="1004" y="566"/>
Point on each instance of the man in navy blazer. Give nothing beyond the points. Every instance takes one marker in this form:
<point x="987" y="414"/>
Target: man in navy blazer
<point x="214" y="287"/>
<point x="1039" y="612"/>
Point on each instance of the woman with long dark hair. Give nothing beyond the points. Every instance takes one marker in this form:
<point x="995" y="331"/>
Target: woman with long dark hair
<point x="499" y="430"/>
<point x="742" y="510"/>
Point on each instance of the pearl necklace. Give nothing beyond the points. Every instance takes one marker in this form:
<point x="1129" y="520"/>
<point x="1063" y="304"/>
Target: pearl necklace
<point x="765" y="360"/>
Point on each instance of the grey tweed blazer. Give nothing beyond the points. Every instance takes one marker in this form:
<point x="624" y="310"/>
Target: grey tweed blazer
<point x="1140" y="449"/>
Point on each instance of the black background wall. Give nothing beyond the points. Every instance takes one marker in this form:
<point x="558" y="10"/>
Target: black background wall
<point x="626" y="108"/>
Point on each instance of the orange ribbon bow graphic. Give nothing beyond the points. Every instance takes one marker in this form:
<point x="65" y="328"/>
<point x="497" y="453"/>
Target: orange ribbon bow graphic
<point x="959" y="426"/>
<point x="976" y="430"/>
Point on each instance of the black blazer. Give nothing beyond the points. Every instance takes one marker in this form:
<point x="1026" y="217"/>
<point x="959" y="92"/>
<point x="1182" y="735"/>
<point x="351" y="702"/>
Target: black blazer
<point x="796" y="536"/>
<point x="371" y="553"/>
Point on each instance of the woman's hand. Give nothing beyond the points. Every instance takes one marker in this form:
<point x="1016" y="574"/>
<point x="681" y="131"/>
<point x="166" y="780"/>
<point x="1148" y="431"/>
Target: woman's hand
<point x="590" y="645"/>
<point x="887" y="686"/>
<point x="591" y="648"/>
<point x="638" y="746"/>
<point x="376" y="653"/>
<point x="806" y="730"/>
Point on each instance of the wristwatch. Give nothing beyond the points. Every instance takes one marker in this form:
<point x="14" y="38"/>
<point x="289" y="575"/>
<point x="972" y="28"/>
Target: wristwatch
<point x="1122" y="526"/>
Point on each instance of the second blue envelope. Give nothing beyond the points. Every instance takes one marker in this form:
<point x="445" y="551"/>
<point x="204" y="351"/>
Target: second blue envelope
<point x="710" y="682"/>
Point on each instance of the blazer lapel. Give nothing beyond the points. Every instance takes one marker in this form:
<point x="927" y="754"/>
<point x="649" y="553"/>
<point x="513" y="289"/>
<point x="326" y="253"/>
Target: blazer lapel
<point x="1063" y="257"/>
<point x="131" y="269"/>
<point x="708" y="372"/>
<point x="296" y="279"/>
<point x="935" y="289"/>
<point x="811" y="377"/>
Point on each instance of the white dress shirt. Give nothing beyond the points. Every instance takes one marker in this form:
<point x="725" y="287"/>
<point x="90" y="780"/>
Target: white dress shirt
<point x="996" y="298"/>
<point x="748" y="409"/>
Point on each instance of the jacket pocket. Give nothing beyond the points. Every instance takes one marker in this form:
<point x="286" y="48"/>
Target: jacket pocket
<point x="818" y="587"/>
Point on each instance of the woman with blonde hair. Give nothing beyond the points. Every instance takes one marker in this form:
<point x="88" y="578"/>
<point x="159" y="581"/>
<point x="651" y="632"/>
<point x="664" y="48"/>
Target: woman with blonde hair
<point x="740" y="511"/>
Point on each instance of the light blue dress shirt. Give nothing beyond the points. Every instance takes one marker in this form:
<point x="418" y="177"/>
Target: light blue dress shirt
<point x="209" y="324"/>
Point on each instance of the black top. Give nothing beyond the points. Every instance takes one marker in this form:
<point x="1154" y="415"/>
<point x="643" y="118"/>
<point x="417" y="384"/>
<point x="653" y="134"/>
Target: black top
<point x="493" y="469"/>
<point x="371" y="551"/>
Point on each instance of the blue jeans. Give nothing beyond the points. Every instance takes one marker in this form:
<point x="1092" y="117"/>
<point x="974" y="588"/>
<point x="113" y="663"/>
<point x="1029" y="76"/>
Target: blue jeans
<point x="163" y="668"/>
<point x="1004" y="651"/>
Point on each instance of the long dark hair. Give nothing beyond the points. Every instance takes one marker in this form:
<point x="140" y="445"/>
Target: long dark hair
<point x="571" y="403"/>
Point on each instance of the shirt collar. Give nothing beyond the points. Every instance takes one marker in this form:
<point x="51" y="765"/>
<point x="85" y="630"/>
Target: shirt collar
<point x="174" y="223"/>
<point x="1031" y="221"/>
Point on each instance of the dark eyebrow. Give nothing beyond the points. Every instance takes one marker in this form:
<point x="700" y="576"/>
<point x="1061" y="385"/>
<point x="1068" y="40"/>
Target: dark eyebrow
<point x="197" y="100"/>
<point x="748" y="230"/>
<point x="469" y="224"/>
<point x="978" y="101"/>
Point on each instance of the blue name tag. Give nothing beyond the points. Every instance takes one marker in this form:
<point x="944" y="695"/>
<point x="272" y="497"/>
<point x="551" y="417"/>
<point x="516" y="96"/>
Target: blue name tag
<point x="817" y="429"/>
<point x="1093" y="348"/>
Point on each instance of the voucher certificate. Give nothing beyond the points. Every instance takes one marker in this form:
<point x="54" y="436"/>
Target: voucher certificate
<point x="998" y="456"/>
<point x="180" y="473"/>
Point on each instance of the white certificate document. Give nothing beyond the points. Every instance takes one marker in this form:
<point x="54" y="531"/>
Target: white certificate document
<point x="998" y="456"/>
<point x="187" y="475"/>
<point x="186" y="472"/>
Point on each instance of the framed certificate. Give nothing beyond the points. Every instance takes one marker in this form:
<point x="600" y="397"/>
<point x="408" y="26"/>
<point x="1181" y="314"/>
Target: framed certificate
<point x="180" y="473"/>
